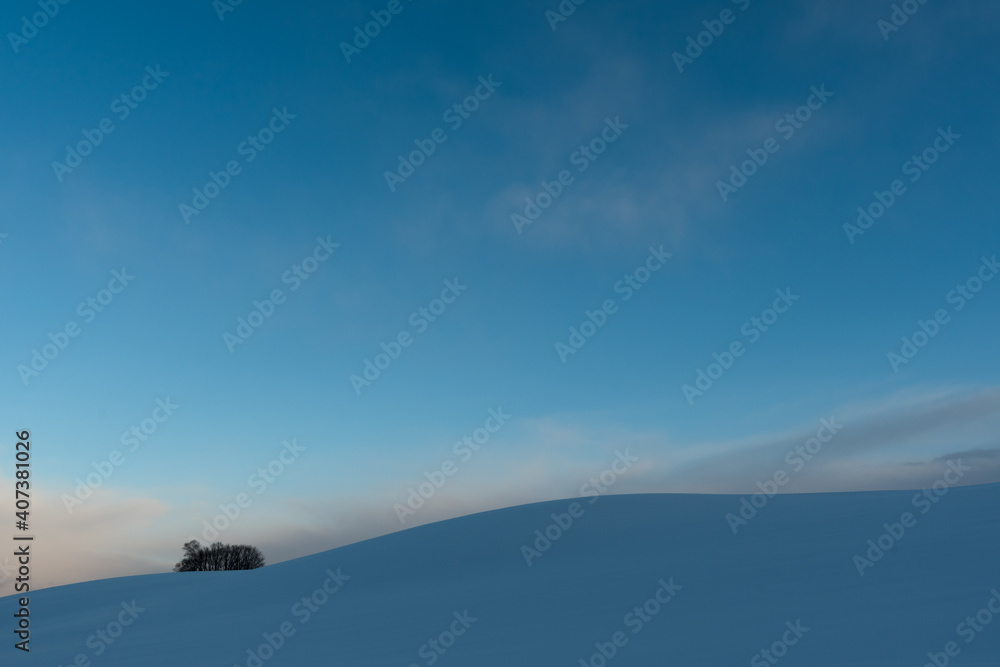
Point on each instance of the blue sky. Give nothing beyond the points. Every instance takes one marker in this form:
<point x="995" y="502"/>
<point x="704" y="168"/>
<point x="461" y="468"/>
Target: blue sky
<point x="323" y="177"/>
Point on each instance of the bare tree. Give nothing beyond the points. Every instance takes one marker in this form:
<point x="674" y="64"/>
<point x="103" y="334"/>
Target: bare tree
<point x="219" y="557"/>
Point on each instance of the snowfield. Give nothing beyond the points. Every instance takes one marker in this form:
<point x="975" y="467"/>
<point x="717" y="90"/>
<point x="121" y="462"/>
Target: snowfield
<point x="638" y="580"/>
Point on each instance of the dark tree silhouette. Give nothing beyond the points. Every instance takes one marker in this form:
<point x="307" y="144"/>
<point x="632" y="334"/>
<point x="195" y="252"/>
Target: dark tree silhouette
<point x="219" y="557"/>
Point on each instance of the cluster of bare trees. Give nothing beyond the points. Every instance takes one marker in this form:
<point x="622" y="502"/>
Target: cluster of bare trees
<point x="218" y="557"/>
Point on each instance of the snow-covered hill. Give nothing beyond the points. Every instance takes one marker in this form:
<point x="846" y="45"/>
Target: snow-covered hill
<point x="630" y="580"/>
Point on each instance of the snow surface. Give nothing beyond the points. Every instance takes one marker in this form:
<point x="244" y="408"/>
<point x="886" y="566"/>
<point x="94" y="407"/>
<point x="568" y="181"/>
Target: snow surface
<point x="793" y="562"/>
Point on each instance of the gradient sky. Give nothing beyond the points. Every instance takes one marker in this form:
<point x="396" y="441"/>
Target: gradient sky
<point x="495" y="346"/>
